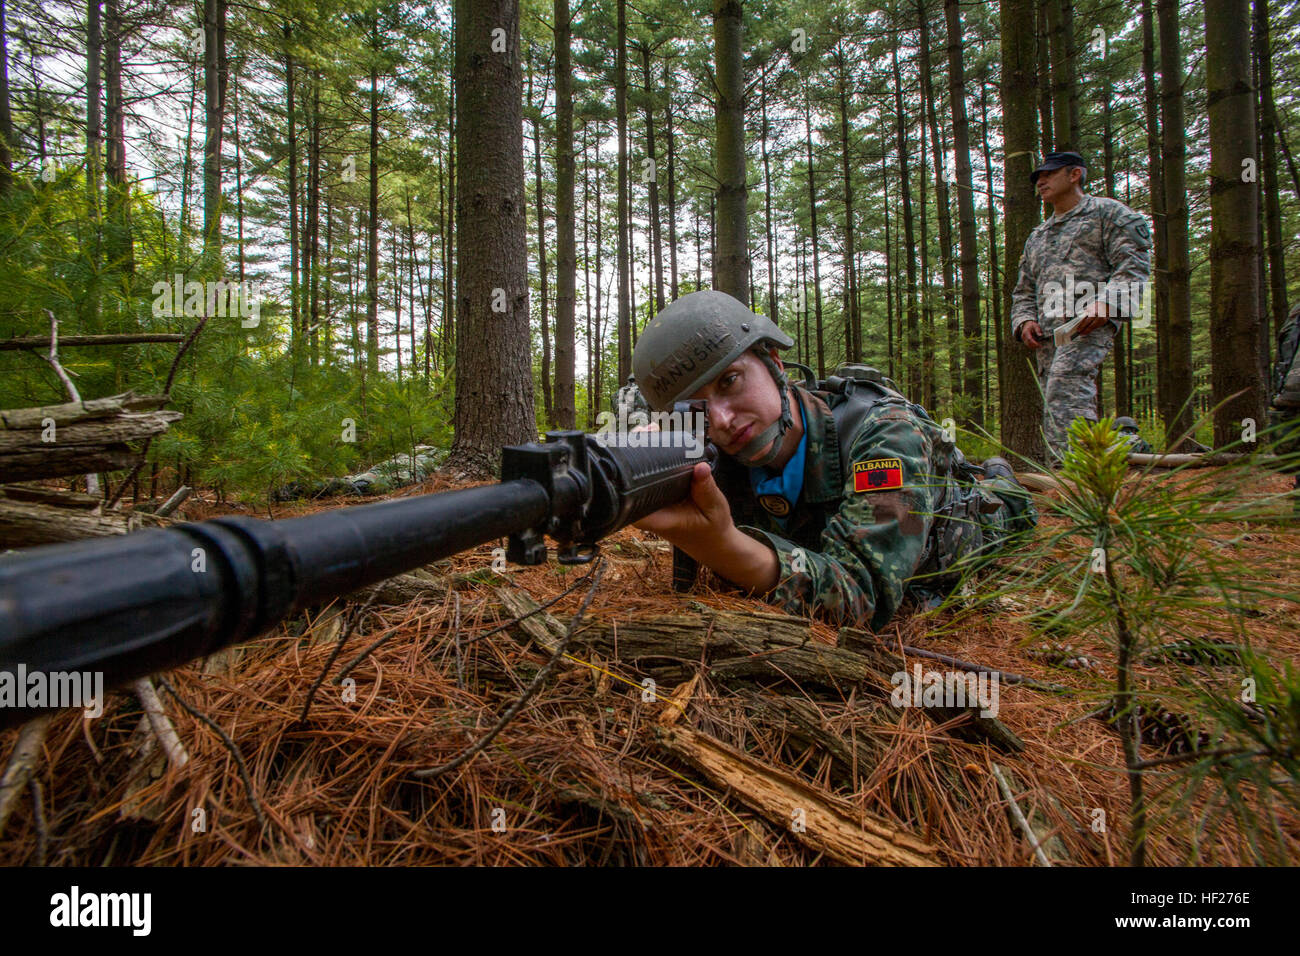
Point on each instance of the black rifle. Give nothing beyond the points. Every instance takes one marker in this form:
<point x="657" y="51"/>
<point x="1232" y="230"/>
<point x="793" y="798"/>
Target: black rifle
<point x="133" y="605"/>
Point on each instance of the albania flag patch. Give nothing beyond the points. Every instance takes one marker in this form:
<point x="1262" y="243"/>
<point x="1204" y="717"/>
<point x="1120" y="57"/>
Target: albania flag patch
<point x="878" y="474"/>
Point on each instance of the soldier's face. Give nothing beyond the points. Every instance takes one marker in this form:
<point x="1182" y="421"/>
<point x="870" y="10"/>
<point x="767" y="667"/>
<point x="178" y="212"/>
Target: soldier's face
<point x="743" y="401"/>
<point x="1057" y="183"/>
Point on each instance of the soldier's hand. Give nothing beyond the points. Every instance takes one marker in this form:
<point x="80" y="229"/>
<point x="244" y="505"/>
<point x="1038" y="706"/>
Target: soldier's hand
<point x="696" y="522"/>
<point x="1093" y="319"/>
<point x="1031" y="333"/>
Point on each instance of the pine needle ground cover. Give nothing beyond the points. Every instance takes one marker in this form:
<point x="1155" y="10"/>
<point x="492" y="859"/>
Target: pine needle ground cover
<point x="687" y="749"/>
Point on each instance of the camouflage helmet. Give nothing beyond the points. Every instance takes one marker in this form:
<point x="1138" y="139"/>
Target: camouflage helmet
<point x="690" y="342"/>
<point x="1124" y="424"/>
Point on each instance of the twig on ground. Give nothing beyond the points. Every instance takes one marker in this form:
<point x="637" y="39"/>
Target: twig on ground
<point x="338" y="648"/>
<point x="225" y="739"/>
<point x="1019" y="816"/>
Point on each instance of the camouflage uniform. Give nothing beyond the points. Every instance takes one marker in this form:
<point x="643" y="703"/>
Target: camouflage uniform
<point x="860" y="547"/>
<point x="1102" y="242"/>
<point x="629" y="399"/>
<point x="1284" y="407"/>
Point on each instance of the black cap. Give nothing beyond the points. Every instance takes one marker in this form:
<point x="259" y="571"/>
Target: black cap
<point x="1057" y="161"/>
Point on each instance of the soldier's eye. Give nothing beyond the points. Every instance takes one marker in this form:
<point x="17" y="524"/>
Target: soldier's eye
<point x="728" y="379"/>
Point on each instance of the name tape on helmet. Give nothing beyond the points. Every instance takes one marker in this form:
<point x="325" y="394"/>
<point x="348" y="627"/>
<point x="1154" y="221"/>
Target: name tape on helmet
<point x="693" y="354"/>
<point x="878" y="474"/>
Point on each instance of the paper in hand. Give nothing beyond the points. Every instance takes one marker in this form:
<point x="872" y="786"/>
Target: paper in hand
<point x="1065" y="334"/>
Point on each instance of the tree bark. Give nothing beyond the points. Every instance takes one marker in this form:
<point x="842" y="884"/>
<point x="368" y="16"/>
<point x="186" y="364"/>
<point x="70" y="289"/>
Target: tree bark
<point x="623" y="253"/>
<point x="812" y="211"/>
<point x="566" y="249"/>
<point x="1177" y="412"/>
<point x="214" y="107"/>
<point x="732" y="260"/>
<point x="767" y="210"/>
<point x="656" y="238"/>
<point x="494" y="387"/>
<point x="1234" y="251"/>
<point x="911" y="366"/>
<point x="970" y="282"/>
<point x="1268" y="170"/>
<point x="1155" y="175"/>
<point x="121" y="247"/>
<point x="852" y="320"/>
<point x="930" y="106"/>
<point x="1021" y="402"/>
<point x="539" y="195"/>
<point x="372" y="252"/>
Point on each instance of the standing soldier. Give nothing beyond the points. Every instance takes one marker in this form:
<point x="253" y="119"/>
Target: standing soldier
<point x="1083" y="272"/>
<point x="629" y="399"/>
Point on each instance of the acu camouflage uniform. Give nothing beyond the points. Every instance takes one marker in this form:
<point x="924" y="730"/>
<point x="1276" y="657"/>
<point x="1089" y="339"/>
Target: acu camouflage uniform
<point x="860" y="548"/>
<point x="629" y="399"/>
<point x="1284" y="408"/>
<point x="1099" y="241"/>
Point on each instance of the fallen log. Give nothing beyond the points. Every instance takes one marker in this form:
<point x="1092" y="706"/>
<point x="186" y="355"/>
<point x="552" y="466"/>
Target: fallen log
<point x="43" y="341"/>
<point x="824" y="823"/>
<point x="27" y="523"/>
<point x="78" y="437"/>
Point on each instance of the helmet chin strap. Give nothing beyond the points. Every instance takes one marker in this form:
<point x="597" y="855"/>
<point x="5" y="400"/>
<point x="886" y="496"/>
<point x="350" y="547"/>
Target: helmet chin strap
<point x="775" y="432"/>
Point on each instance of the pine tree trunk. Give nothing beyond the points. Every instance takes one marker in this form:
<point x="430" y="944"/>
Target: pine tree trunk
<point x="94" y="97"/>
<point x="1234" y="206"/>
<point x="852" y="320"/>
<point x="812" y="208"/>
<point x="1155" y="175"/>
<point x="1177" y="412"/>
<point x="539" y="195"/>
<point x="292" y="123"/>
<point x="214" y="36"/>
<point x="566" y="250"/>
<point x="656" y="238"/>
<point x="1021" y="402"/>
<point x="494" y="387"/>
<point x="311" y="279"/>
<point x="1268" y="170"/>
<point x="930" y="105"/>
<point x="6" y="115"/>
<point x="912" y="368"/>
<point x="672" y="185"/>
<point x="1065" y="110"/>
<point x="121" y="246"/>
<point x="889" y="245"/>
<point x="1043" y="48"/>
<point x="970" y="282"/>
<point x="372" y="254"/>
<point x="927" y="288"/>
<point x="623" y="253"/>
<point x="732" y="259"/>
<point x="767" y="210"/>
<point x="995" y="299"/>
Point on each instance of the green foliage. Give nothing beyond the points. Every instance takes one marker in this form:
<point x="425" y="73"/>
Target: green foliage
<point x="1152" y="564"/>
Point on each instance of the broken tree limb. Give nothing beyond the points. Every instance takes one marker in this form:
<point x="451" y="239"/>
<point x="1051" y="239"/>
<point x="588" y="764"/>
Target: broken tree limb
<point x="77" y="437"/>
<point x="22" y="762"/>
<point x="1019" y="817"/>
<point x="1192" y="460"/>
<point x="826" y="824"/>
<point x="68" y="341"/>
<point x="27" y="523"/>
<point x="161" y="724"/>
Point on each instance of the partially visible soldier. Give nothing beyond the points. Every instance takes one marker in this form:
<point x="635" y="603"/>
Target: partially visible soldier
<point x="1284" y="409"/>
<point x="1089" y="261"/>
<point x="1128" y="430"/>
<point x="837" y="499"/>
<point x="629" y="399"/>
